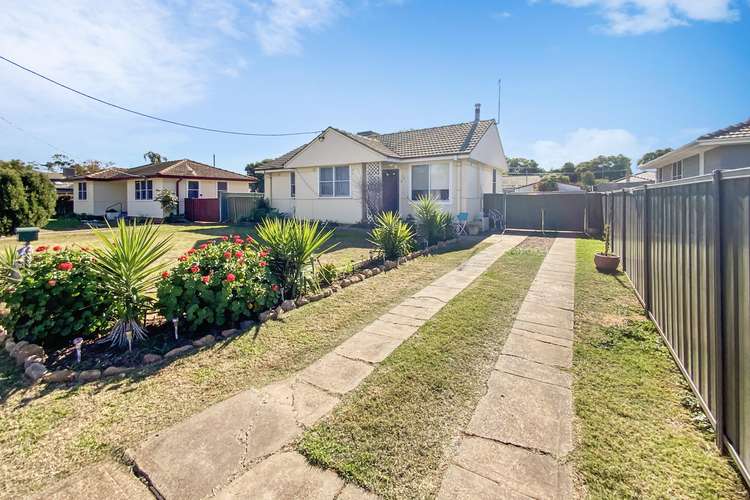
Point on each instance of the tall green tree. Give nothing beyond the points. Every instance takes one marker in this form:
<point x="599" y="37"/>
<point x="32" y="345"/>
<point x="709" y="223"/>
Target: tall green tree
<point x="606" y="167"/>
<point x="252" y="169"/>
<point x="652" y="155"/>
<point x="60" y="161"/>
<point x="153" y="157"/>
<point x="523" y="166"/>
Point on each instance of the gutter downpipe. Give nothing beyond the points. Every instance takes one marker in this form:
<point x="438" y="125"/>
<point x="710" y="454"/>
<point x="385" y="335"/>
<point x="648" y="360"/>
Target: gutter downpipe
<point x="177" y="193"/>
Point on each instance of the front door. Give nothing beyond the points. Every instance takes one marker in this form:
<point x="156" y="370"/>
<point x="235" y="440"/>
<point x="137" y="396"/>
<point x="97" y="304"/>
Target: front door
<point x="390" y="190"/>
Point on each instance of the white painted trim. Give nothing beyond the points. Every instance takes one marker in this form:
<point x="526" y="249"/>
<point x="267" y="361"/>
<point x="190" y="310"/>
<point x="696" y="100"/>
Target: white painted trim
<point x="334" y="197"/>
<point x="450" y="182"/>
<point x="701" y="163"/>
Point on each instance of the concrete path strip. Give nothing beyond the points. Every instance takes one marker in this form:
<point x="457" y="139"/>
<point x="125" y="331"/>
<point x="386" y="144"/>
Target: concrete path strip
<point x="521" y="432"/>
<point x="239" y="447"/>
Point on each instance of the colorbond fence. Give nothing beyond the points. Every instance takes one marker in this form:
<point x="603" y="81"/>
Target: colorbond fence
<point x="549" y="211"/>
<point x="685" y="245"/>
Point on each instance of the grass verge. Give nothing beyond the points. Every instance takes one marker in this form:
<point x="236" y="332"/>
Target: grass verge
<point x="395" y="433"/>
<point x="640" y="432"/>
<point x="51" y="432"/>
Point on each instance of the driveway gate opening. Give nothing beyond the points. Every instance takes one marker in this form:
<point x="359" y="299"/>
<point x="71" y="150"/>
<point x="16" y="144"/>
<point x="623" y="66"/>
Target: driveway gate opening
<point x="563" y="211"/>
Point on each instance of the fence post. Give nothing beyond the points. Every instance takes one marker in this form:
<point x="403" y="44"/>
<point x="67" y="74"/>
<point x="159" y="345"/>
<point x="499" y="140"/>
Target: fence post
<point x="624" y="227"/>
<point x="718" y="309"/>
<point x="646" y="249"/>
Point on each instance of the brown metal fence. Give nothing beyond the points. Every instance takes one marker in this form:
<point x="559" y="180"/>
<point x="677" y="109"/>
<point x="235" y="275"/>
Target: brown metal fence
<point x="561" y="211"/>
<point x="685" y="245"/>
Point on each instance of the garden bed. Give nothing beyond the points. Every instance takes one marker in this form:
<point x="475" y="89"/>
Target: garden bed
<point x="51" y="431"/>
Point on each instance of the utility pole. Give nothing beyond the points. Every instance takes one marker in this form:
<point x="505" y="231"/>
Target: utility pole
<point x="214" y="160"/>
<point x="499" y="83"/>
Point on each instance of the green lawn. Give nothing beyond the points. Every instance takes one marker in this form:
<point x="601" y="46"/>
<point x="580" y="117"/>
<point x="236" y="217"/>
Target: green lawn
<point x="352" y="242"/>
<point x="50" y="432"/>
<point x="395" y="434"/>
<point x="640" y="432"/>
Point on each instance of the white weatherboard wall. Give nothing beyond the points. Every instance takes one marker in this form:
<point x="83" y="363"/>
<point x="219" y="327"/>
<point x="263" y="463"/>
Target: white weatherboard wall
<point x="84" y="206"/>
<point x="308" y="204"/>
<point x="489" y="150"/>
<point x="109" y="194"/>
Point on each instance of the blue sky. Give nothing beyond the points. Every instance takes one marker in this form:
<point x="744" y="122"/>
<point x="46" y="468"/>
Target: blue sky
<point x="580" y="77"/>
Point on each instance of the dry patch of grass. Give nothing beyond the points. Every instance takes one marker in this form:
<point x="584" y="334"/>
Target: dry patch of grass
<point x="47" y="433"/>
<point x="395" y="434"/>
<point x="640" y="431"/>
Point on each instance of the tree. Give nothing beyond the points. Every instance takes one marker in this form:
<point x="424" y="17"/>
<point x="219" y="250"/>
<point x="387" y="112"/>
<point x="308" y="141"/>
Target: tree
<point x="251" y="169"/>
<point x="606" y="167"/>
<point x="652" y="155"/>
<point x="27" y="197"/>
<point x="60" y="161"/>
<point x="588" y="179"/>
<point x="523" y="166"/>
<point x="153" y="157"/>
<point x="549" y="182"/>
<point x="91" y="166"/>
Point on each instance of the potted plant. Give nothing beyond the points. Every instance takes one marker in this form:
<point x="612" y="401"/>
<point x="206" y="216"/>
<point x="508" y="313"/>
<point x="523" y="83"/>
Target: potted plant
<point x="605" y="262"/>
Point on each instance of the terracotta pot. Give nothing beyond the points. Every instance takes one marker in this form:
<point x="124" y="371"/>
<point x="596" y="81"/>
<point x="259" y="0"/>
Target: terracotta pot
<point x="606" y="263"/>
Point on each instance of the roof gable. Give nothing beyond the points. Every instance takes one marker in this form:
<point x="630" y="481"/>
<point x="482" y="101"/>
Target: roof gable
<point x="446" y="140"/>
<point x="737" y="131"/>
<point x="175" y="168"/>
<point x="334" y="147"/>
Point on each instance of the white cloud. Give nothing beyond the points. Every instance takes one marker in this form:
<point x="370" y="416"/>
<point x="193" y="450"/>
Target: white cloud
<point x="584" y="144"/>
<point x="635" y="17"/>
<point x="131" y="50"/>
<point x="281" y="23"/>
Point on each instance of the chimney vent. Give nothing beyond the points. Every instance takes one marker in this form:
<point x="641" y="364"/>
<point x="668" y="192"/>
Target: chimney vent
<point x="477" y="106"/>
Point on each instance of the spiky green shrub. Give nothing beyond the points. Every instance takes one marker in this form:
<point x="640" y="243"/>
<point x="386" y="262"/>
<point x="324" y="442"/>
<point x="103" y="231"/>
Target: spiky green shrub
<point x="128" y="263"/>
<point x="218" y="284"/>
<point x="57" y="297"/>
<point x="326" y="274"/>
<point x="392" y="237"/>
<point x="292" y="246"/>
<point x="431" y="223"/>
<point x="448" y="225"/>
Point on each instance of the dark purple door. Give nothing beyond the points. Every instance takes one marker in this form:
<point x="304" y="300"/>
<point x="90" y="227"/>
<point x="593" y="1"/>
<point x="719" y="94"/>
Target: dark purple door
<point x="390" y="190"/>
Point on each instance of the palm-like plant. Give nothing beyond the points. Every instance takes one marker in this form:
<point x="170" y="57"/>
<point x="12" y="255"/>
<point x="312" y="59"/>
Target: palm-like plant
<point x="8" y="272"/>
<point x="391" y="236"/>
<point x="128" y="261"/>
<point x="430" y="221"/>
<point x="292" y="244"/>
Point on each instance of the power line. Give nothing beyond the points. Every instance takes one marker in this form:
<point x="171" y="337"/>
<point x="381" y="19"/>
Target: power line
<point x="11" y="124"/>
<point x="152" y="117"/>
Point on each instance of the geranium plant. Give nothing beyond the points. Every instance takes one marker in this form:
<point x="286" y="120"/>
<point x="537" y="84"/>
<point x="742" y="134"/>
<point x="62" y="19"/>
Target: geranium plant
<point x="57" y="297"/>
<point x="218" y="284"/>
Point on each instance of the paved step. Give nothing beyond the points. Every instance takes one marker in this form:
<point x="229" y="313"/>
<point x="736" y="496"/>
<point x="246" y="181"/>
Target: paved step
<point x="239" y="448"/>
<point x="517" y="441"/>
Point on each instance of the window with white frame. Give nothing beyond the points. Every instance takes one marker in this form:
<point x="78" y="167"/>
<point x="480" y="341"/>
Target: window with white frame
<point x="144" y="190"/>
<point x="193" y="189"/>
<point x="430" y="180"/>
<point x="292" y="185"/>
<point x="677" y="170"/>
<point x="334" y="182"/>
<point x="82" y="191"/>
<point x="494" y="181"/>
<point x="221" y="187"/>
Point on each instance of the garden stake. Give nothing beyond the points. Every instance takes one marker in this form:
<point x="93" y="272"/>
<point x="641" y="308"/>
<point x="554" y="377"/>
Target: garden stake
<point x="77" y="343"/>
<point x="129" y="335"/>
<point x="174" y="322"/>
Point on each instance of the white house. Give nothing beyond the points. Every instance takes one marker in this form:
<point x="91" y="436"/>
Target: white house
<point x="344" y="177"/>
<point x="724" y="149"/>
<point x="131" y="191"/>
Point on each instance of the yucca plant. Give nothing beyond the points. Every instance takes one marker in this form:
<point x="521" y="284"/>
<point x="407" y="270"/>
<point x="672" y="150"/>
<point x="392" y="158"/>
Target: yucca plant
<point x="292" y="245"/>
<point x="392" y="237"/>
<point x="8" y="272"/>
<point x="128" y="263"/>
<point x="430" y="221"/>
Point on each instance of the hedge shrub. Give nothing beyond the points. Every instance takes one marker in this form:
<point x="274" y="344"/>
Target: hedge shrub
<point x="27" y="197"/>
<point x="218" y="284"/>
<point x="57" y="298"/>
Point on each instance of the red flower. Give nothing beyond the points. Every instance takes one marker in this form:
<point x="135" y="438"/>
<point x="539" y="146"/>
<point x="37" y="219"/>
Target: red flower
<point x="203" y="246"/>
<point x="206" y="278"/>
<point x="231" y="277"/>
<point x="191" y="251"/>
<point x="57" y="248"/>
<point x="263" y="253"/>
<point x="225" y="238"/>
<point x="238" y="241"/>
<point x="52" y="282"/>
<point x="65" y="266"/>
<point x="41" y="248"/>
<point x="249" y="239"/>
<point x="275" y="287"/>
<point x="238" y="254"/>
<point x="227" y="255"/>
<point x="262" y="263"/>
<point x="195" y="268"/>
<point x="182" y="258"/>
<point x="165" y="274"/>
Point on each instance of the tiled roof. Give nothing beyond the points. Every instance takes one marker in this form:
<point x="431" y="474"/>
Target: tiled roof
<point x="435" y="141"/>
<point x="175" y="168"/>
<point x="737" y="131"/>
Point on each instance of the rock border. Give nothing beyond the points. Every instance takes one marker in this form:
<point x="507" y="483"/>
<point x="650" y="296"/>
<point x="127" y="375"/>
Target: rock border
<point x="32" y="356"/>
